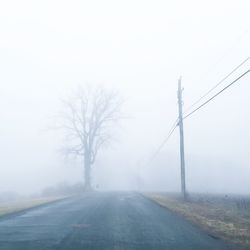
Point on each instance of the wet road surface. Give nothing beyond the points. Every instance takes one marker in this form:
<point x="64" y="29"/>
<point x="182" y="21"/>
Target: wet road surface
<point x="119" y="221"/>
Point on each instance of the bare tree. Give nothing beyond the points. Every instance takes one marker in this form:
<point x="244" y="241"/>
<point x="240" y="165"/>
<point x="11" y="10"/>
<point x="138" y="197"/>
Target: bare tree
<point x="88" y="119"/>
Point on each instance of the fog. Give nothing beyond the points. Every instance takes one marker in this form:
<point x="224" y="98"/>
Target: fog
<point x="139" y="48"/>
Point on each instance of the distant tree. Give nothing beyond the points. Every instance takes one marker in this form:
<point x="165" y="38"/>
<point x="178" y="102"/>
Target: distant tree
<point x="88" y="121"/>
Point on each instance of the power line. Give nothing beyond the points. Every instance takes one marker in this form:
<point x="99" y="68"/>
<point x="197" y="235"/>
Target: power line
<point x="171" y="131"/>
<point x="225" y="54"/>
<point x="210" y="99"/>
<point x="219" y="83"/>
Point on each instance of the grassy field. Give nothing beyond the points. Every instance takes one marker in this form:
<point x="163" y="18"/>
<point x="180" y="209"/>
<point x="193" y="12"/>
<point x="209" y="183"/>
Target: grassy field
<point x="7" y="208"/>
<point x="223" y="217"/>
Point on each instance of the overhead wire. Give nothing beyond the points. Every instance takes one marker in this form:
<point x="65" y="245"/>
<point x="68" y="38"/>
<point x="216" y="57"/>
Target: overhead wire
<point x="171" y="131"/>
<point x="218" y="93"/>
<point x="225" y="54"/>
<point x="216" y="85"/>
<point x="175" y="124"/>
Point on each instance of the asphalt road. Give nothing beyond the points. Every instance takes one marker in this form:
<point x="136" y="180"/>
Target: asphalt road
<point x="119" y="221"/>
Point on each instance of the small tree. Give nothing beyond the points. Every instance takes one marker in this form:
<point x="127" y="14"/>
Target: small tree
<point x="87" y="120"/>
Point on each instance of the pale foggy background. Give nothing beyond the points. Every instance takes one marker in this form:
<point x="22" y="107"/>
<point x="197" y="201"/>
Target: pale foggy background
<point x="140" y="48"/>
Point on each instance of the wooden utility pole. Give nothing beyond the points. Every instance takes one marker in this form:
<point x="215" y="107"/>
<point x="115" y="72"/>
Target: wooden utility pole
<point x="182" y="156"/>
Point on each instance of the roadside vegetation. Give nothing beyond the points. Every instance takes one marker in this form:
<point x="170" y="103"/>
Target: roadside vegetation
<point x="7" y="208"/>
<point x="12" y="202"/>
<point x="221" y="216"/>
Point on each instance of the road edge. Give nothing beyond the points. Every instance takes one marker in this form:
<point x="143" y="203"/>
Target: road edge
<point x="25" y="210"/>
<point x="207" y="231"/>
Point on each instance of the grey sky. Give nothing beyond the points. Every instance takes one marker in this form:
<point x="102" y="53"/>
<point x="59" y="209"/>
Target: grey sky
<point x="140" y="48"/>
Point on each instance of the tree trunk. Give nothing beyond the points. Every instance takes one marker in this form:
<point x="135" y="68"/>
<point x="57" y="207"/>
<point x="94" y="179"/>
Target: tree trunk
<point x="87" y="173"/>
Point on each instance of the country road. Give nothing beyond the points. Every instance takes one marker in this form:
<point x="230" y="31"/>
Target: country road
<point x="120" y="221"/>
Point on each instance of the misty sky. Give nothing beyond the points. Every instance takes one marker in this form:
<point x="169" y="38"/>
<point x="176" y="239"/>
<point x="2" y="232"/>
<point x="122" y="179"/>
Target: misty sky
<point x="140" y="48"/>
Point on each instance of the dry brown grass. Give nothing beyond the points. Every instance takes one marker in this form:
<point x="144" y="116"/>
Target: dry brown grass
<point x="7" y="208"/>
<point x="221" y="221"/>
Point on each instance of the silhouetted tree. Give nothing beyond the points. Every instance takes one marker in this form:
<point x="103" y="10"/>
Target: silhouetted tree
<point x="88" y="120"/>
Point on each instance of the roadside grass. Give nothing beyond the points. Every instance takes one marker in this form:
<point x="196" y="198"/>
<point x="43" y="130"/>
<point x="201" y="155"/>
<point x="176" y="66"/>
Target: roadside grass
<point x="8" y="208"/>
<point x="219" y="218"/>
